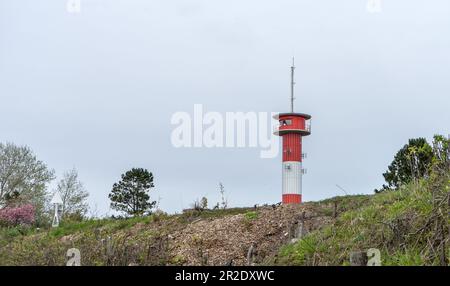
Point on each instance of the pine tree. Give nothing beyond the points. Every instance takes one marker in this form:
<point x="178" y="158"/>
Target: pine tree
<point x="130" y="195"/>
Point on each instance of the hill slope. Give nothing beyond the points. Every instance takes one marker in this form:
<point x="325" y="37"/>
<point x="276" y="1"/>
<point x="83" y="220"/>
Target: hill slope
<point x="409" y="226"/>
<point x="221" y="237"/>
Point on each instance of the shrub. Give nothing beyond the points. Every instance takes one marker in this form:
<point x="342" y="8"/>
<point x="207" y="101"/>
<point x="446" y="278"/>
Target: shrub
<point x="13" y="216"/>
<point x="251" y="215"/>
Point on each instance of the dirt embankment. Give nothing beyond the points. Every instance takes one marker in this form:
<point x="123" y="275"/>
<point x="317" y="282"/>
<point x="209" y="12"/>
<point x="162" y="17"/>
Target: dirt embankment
<point x="243" y="239"/>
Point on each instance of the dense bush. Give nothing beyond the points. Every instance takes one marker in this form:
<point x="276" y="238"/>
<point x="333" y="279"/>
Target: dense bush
<point x="13" y="216"/>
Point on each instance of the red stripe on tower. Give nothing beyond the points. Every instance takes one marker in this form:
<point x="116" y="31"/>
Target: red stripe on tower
<point x="292" y="147"/>
<point x="292" y="199"/>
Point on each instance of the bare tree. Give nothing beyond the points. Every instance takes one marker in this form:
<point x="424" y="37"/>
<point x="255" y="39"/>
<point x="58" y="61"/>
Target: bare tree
<point x="204" y="203"/>
<point x="224" y="201"/>
<point x="200" y="205"/>
<point x="73" y="194"/>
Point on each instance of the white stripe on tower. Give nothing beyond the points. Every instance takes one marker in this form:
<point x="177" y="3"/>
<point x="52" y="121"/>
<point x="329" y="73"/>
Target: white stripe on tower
<point x="292" y="178"/>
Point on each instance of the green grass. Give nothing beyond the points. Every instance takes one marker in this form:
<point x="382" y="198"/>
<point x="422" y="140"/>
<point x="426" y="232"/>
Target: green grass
<point x="93" y="237"/>
<point x="391" y="221"/>
<point x="300" y="253"/>
<point x="108" y="225"/>
<point x="251" y="215"/>
<point x="191" y="215"/>
<point x="9" y="233"/>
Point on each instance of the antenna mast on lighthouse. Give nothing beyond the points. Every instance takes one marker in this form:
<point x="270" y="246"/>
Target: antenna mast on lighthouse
<point x="292" y="85"/>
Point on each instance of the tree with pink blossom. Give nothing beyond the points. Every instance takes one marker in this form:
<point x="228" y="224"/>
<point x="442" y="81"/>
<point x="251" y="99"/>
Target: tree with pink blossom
<point x="23" y="180"/>
<point x="13" y="216"/>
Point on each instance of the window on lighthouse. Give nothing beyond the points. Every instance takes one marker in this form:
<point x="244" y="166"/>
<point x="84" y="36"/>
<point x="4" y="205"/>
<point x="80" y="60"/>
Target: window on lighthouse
<point x="286" y="122"/>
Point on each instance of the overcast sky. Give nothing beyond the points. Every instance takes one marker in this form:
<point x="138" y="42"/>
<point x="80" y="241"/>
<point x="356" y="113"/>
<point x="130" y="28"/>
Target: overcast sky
<point x="96" y="90"/>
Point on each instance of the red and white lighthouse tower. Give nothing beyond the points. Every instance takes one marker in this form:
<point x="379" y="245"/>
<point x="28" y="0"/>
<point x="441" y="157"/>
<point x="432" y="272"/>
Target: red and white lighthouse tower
<point x="293" y="126"/>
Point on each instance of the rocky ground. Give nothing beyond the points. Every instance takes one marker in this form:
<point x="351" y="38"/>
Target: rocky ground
<point x="243" y="239"/>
